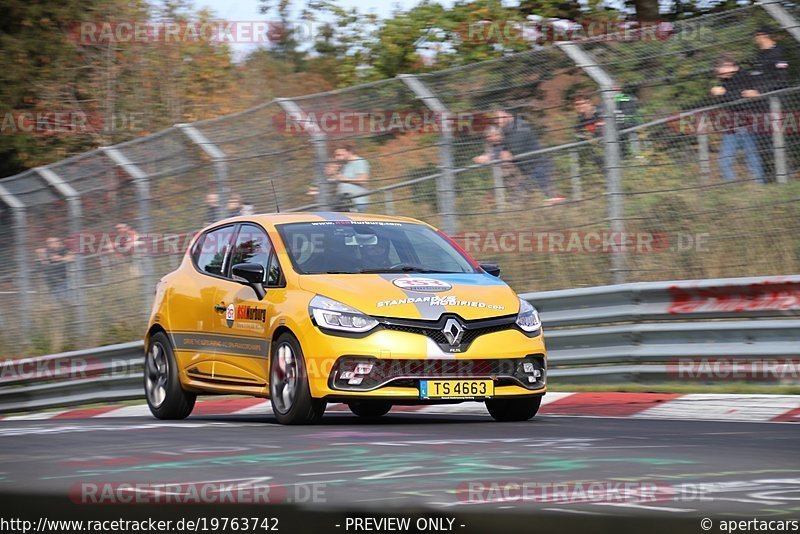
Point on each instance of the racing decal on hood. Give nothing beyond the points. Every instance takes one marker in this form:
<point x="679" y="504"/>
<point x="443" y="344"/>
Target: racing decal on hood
<point x="426" y="311"/>
<point x="445" y="300"/>
<point x="421" y="284"/>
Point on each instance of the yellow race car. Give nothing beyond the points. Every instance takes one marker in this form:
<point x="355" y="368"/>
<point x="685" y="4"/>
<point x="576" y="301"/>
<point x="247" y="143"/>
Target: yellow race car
<point x="367" y="310"/>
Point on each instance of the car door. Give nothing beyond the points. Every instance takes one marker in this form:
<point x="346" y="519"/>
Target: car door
<point x="192" y="298"/>
<point x="242" y="319"/>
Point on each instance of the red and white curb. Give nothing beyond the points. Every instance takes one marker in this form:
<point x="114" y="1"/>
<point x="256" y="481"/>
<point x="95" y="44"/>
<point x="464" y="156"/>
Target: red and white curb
<point x="700" y="407"/>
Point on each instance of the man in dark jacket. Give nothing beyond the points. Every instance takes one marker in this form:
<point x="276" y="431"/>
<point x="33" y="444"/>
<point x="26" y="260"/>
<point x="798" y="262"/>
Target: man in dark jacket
<point x="771" y="68"/>
<point x="588" y="125"/>
<point x="519" y="138"/>
<point x="735" y="84"/>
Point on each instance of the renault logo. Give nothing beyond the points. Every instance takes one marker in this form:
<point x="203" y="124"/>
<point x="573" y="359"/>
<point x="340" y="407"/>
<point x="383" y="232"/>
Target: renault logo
<point x="453" y="331"/>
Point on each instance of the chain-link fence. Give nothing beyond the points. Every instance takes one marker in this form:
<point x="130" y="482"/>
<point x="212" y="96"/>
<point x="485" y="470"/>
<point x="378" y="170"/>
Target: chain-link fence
<point x="576" y="164"/>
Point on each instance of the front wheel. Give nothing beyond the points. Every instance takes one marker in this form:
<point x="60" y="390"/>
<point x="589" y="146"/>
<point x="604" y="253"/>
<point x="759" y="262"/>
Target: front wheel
<point x="370" y="408"/>
<point x="290" y="394"/>
<point x="513" y="409"/>
<point x="165" y="397"/>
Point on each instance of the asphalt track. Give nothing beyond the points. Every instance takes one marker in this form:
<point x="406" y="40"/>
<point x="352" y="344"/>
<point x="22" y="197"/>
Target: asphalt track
<point x="701" y="468"/>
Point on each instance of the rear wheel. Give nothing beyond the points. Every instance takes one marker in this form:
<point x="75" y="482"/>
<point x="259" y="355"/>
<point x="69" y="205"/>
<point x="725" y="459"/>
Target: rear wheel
<point x="165" y="397"/>
<point x="370" y="408"/>
<point x="288" y="385"/>
<point x="513" y="409"/>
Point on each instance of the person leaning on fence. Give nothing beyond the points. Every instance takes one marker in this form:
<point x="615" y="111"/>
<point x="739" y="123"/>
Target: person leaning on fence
<point x="235" y="207"/>
<point x="588" y="125"/>
<point x="351" y="174"/>
<point x="520" y="138"/>
<point x="512" y="177"/>
<point x="627" y="116"/>
<point x="735" y="84"/>
<point x="54" y="259"/>
<point x="770" y="72"/>
<point x="212" y="207"/>
<point x="771" y="69"/>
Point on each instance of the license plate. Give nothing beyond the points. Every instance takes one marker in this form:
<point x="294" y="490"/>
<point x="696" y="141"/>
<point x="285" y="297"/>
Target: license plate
<point x="455" y="389"/>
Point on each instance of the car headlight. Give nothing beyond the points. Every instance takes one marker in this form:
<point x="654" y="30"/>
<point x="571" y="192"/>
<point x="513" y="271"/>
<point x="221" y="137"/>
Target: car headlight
<point x="329" y="313"/>
<point x="528" y="317"/>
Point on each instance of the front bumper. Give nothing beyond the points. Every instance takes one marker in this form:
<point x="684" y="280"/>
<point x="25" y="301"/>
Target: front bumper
<point x="400" y="359"/>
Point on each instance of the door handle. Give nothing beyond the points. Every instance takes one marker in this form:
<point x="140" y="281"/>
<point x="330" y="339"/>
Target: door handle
<point x="220" y="307"/>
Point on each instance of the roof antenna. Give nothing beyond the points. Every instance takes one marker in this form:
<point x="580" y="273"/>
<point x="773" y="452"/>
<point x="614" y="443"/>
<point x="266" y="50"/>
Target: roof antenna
<point x="275" y="195"/>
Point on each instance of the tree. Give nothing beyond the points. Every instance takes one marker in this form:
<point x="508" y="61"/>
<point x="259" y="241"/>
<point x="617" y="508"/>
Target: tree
<point x="647" y="10"/>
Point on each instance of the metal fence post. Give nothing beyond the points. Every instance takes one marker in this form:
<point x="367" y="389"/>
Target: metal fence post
<point x="613" y="160"/>
<point x="499" y="185"/>
<point x="575" y="173"/>
<point x="142" y="183"/>
<point x="703" y="156"/>
<point x="220" y="164"/>
<point x="388" y="201"/>
<point x="75" y="211"/>
<point x="778" y="142"/>
<point x="445" y="185"/>
<point x="781" y="16"/>
<point x="23" y="279"/>
<point x="319" y="142"/>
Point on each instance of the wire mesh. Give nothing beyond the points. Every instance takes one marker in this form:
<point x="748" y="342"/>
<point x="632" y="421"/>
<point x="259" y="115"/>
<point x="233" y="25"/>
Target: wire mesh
<point x="519" y="139"/>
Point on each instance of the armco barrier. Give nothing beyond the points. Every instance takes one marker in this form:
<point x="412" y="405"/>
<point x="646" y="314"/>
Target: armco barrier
<point x="618" y="333"/>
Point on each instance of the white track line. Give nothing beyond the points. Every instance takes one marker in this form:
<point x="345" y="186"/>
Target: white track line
<point x="704" y="406"/>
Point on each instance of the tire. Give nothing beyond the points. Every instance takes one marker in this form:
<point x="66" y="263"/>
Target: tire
<point x="370" y="408"/>
<point x="162" y="386"/>
<point x="290" y="394"/>
<point x="513" y="409"/>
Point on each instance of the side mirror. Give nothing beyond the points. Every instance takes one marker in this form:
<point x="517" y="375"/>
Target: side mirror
<point x="491" y="268"/>
<point x="250" y="274"/>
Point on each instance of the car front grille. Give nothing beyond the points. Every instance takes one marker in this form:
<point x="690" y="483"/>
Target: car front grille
<point x="407" y="373"/>
<point x="434" y="329"/>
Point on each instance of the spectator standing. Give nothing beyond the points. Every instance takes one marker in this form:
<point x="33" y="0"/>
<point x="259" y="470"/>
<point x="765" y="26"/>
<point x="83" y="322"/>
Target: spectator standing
<point x="236" y="207"/>
<point x="212" y="205"/>
<point x="351" y="174"/>
<point x="54" y="259"/>
<point x="518" y="137"/>
<point x="588" y="125"/>
<point x="627" y="116"/>
<point x="735" y="84"/>
<point x="770" y="73"/>
<point x="771" y="70"/>
<point x="512" y="177"/>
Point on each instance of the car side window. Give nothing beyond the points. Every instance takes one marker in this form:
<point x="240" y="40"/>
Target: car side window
<point x="253" y="246"/>
<point x="211" y="248"/>
<point x="274" y="271"/>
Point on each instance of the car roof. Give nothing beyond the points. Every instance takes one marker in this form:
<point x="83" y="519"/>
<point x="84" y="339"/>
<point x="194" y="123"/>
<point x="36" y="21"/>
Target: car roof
<point x="271" y="219"/>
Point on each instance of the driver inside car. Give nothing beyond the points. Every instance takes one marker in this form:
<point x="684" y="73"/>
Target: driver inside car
<point x="376" y="255"/>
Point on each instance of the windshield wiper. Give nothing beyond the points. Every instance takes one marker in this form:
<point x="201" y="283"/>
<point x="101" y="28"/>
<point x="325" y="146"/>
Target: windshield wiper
<point x="405" y="269"/>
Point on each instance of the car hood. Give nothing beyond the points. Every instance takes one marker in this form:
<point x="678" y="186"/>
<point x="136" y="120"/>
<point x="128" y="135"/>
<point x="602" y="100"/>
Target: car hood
<point x="418" y="296"/>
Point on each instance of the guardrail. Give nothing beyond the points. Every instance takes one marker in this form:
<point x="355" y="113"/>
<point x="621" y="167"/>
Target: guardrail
<point x="640" y="332"/>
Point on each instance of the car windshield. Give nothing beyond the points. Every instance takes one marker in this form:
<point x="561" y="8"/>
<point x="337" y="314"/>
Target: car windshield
<point x="353" y="247"/>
